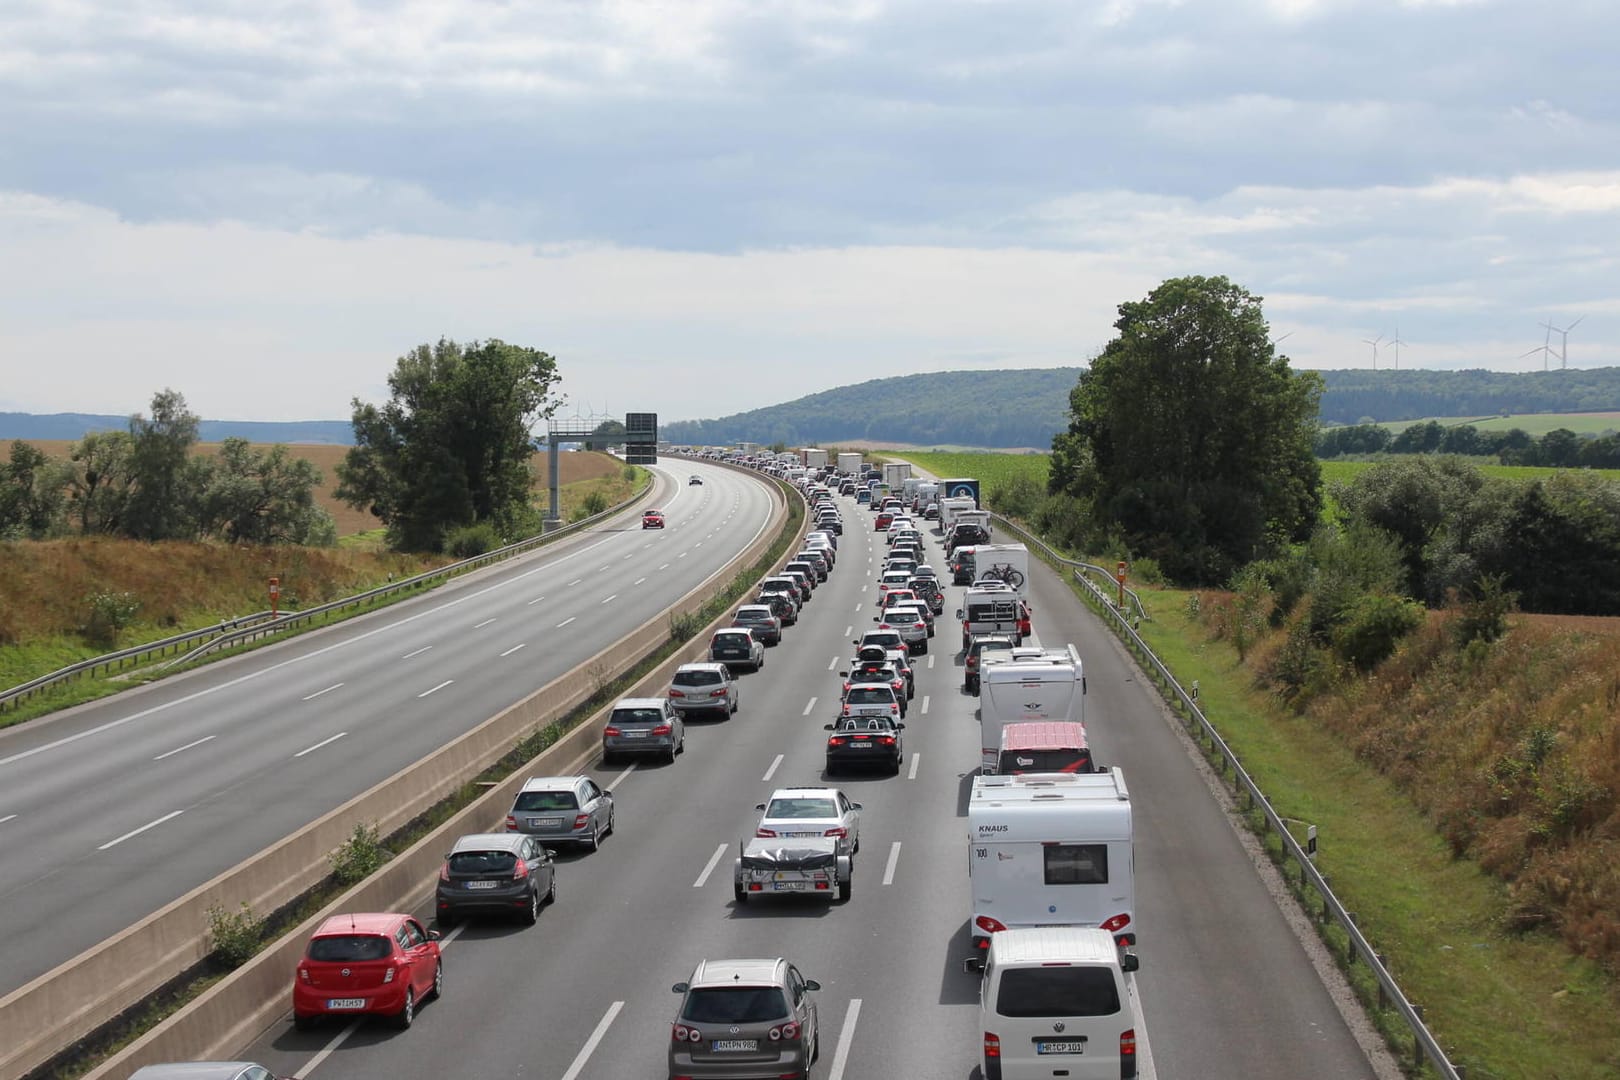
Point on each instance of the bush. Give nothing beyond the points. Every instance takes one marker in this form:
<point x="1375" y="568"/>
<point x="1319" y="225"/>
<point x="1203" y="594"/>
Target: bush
<point x="472" y="540"/>
<point x="1373" y="625"/>
<point x="110" y="614"/>
<point x="358" y="857"/>
<point x="234" y="936"/>
<point x="594" y="503"/>
<point x="1484" y="618"/>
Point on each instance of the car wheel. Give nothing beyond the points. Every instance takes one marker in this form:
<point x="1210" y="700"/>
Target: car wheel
<point x="736" y="700"/>
<point x="815" y="1047"/>
<point x="594" y="841"/>
<point x="922" y="646"/>
<point x="894" y="766"/>
<point x="531" y="914"/>
<point x="447" y="919"/>
<point x="551" y="889"/>
<point x="305" y="1023"/>
<point x="609" y="831"/>
<point x="438" y="983"/>
<point x="608" y="757"/>
<point x="830" y="770"/>
<point x="857" y="848"/>
<point x="844" y="888"/>
<point x="407" y="1012"/>
<point x="738" y="893"/>
<point x="669" y="755"/>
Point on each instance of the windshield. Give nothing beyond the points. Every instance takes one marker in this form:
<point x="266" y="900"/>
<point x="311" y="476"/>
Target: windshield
<point x="1068" y="760"/>
<point x="350" y="947"/>
<point x="801" y="807"/>
<point x="545" y="800"/>
<point x="482" y="862"/>
<point x="734" y="1005"/>
<point x="871" y="695"/>
<point x="1057" y="991"/>
<point x="697" y="678"/>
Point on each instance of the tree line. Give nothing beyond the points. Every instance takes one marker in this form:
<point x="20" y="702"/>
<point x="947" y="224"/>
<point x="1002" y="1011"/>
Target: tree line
<point x="1560" y="448"/>
<point x="1356" y="396"/>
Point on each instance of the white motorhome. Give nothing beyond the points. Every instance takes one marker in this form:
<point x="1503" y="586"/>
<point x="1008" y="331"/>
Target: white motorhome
<point x="991" y="610"/>
<point x="1031" y="685"/>
<point x="1006" y="563"/>
<point x="952" y="505"/>
<point x="1051" y="849"/>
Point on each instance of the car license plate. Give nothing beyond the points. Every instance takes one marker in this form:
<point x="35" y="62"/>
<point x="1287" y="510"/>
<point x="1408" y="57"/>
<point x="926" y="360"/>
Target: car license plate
<point x="1060" y="1046"/>
<point x="801" y="834"/>
<point x="345" y="1003"/>
<point x="724" y="1046"/>
<point x="790" y="886"/>
<point x="483" y="884"/>
<point x="633" y="734"/>
<point x="545" y="823"/>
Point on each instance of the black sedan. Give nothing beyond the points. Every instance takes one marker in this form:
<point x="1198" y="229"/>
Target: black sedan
<point x="864" y="741"/>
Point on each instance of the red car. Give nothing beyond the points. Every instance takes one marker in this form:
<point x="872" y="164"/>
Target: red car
<point x="371" y="963"/>
<point x="652" y="519"/>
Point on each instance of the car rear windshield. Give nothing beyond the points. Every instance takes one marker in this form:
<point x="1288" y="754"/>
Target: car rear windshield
<point x="344" y="948"/>
<point x="697" y="678"/>
<point x="1057" y="991"/>
<point x="801" y="808"/>
<point x="636" y="716"/>
<point x="870" y="695"/>
<point x="738" y="640"/>
<point x="546" y="800"/>
<point x="482" y="862"/>
<point x="1067" y="760"/>
<point x="734" y="1005"/>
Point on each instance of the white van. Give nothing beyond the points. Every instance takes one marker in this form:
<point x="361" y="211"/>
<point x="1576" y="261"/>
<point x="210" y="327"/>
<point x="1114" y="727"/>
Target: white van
<point x="1051" y="849"/>
<point x="1055" y="1002"/>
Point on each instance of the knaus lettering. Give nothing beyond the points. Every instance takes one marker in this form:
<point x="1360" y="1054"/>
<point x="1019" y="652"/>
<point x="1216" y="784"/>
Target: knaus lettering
<point x="992" y="828"/>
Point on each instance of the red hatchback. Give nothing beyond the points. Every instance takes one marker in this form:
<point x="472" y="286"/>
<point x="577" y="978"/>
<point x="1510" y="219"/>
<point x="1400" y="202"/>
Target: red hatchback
<point x="367" y="963"/>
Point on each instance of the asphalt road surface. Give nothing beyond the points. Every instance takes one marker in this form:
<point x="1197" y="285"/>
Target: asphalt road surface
<point x="1227" y="991"/>
<point x="112" y="809"/>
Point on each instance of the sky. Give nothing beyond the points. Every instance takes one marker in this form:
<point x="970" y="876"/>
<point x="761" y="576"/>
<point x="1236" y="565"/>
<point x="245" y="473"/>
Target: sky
<point x="706" y="206"/>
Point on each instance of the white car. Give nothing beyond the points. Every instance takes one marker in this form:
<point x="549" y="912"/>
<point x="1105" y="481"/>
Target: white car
<point x="811" y="811"/>
<point x="907" y="621"/>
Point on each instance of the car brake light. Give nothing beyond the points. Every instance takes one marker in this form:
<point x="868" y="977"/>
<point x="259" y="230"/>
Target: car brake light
<point x="444" y="872"/>
<point x="303" y="973"/>
<point x="1127" y="1043"/>
<point x="610" y="730"/>
<point x="520" y="870"/>
<point x="837" y="740"/>
<point x="580" y="820"/>
<point x="764" y="832"/>
<point x="789" y="1030"/>
<point x="388" y="976"/>
<point x="1118" y="922"/>
<point x="992" y="1045"/>
<point x="839" y="832"/>
<point x="511" y="823"/>
<point x="682" y="1033"/>
<point x="846" y="710"/>
<point x="894" y="706"/>
<point x="676" y="693"/>
<point x="887" y="740"/>
<point x="718" y="693"/>
<point x="989" y="925"/>
<point x="662" y="729"/>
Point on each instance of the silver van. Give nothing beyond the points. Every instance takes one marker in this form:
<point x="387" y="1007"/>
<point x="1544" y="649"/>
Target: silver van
<point x="1054" y="1002"/>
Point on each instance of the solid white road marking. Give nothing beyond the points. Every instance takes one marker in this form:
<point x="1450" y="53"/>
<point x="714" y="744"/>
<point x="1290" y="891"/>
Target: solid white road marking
<point x="330" y="1048"/>
<point x="515" y="648"/>
<point x="770" y="772"/>
<point x="623" y="776"/>
<point x="894" y="857"/>
<point x="714" y="861"/>
<point x="566" y="621"/>
<point x="317" y="746"/>
<point x="915" y="758"/>
<point x="925" y="705"/>
<point x="808" y="706"/>
<point x="590" y="1044"/>
<point x="436" y="689"/>
<point x="845" y="1038"/>
<point x="418" y="652"/>
<point x="480" y="626"/>
<point x="143" y="828"/>
<point x="318" y="693"/>
<point x="189" y="745"/>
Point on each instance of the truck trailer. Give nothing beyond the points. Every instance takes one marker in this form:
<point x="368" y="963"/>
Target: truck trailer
<point x="849" y="464"/>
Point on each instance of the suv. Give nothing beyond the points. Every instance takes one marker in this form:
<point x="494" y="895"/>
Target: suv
<point x="567" y="809"/>
<point x="760" y="617"/>
<point x="643" y="726"/>
<point x="744" y="1018"/>
<point x="965" y="533"/>
<point x="496" y="874"/>
<point x="784" y="585"/>
<point x="973" y="662"/>
<point x="907" y="621"/>
<point x="737" y="648"/>
<point x="703" y="688"/>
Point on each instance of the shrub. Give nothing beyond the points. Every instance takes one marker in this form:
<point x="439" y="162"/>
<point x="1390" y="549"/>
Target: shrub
<point x="358" y="857"/>
<point x="110" y="614"/>
<point x="234" y="935"/>
<point x="1484" y="617"/>
<point x="472" y="540"/>
<point x="1374" y="624"/>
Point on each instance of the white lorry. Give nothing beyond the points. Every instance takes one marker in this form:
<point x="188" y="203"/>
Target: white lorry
<point x="895" y="473"/>
<point x="849" y="463"/>
<point x="1051" y="849"/>
<point x="1031" y="684"/>
<point x="815" y="459"/>
<point x="908" y="490"/>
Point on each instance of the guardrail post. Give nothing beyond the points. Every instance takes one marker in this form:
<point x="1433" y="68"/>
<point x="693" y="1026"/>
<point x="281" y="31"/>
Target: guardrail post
<point x="1350" y="939"/>
<point x="1327" y="883"/>
<point x="1417" y="1043"/>
<point x="1383" y="997"/>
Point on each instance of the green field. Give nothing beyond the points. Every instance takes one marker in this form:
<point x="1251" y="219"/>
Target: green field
<point x="1345" y="471"/>
<point x="992" y="470"/>
<point x="1585" y="423"/>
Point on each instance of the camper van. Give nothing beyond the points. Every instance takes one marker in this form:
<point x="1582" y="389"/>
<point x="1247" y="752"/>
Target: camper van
<point x="1032" y="684"/>
<point x="1043" y="746"/>
<point x="1051" y="849"/>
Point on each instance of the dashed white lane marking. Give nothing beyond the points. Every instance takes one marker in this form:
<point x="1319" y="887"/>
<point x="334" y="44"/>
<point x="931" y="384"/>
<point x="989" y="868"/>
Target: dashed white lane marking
<point x="515" y="648"/>
<point x="480" y="626"/>
<point x="714" y="860"/>
<point x="809" y="705"/>
<point x="664" y="567"/>
<point x="682" y="555"/>
<point x="638" y="581"/>
<point x="318" y="693"/>
<point x="566" y="621"/>
<point x="591" y="1043"/>
<point x="915" y="758"/>
<point x="770" y="772"/>
<point x="8" y="817"/>
<point x="317" y="746"/>
<point x="436" y="689"/>
<point x="136" y="832"/>
<point x="630" y="555"/>
<point x="857" y="609"/>
<point x="845" y="1038"/>
<point x="576" y="581"/>
<point x="535" y="601"/>
<point x="925" y="705"/>
<point x="894" y="857"/>
<point x="848" y="630"/>
<point x="603" y="569"/>
<point x="610" y="599"/>
<point x="188" y="746"/>
<point x="930" y="663"/>
<point x="834" y="665"/>
<point x="418" y="652"/>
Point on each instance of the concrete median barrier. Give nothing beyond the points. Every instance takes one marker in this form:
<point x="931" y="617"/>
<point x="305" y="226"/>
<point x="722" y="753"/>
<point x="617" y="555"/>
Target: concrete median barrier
<point x="49" y="1014"/>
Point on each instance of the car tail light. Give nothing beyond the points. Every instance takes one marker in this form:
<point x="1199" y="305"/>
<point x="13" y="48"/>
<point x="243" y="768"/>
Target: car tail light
<point x="520" y="870"/>
<point x="839" y="832"/>
<point x="676" y="693"/>
<point x="989" y="925"/>
<point x="580" y="820"/>
<point x="444" y="872"/>
<point x="789" y="1030"/>
<point x="887" y="740"/>
<point x="511" y="823"/>
<point x="1118" y="922"/>
<point x="610" y="730"/>
<point x="1127" y="1043"/>
<point x="388" y="975"/>
<point x="919" y="626"/>
<point x="992" y="1045"/>
<point x="762" y="831"/>
<point x="894" y="706"/>
<point x="303" y="973"/>
<point x="718" y="693"/>
<point x="846" y="711"/>
<point x="662" y="729"/>
<point x="837" y="740"/>
<point x="682" y="1033"/>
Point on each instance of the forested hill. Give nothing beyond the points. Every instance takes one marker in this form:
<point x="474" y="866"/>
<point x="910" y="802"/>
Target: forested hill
<point x="1021" y="407"/>
<point x="15" y="425"/>
<point x="1354" y="395"/>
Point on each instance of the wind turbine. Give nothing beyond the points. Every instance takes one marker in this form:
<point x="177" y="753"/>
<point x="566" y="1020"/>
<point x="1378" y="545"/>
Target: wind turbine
<point x="1563" y="341"/>
<point x="1397" y="342"/>
<point x="1374" y="343"/>
<point x="1545" y="349"/>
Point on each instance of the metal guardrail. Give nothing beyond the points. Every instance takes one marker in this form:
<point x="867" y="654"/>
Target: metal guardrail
<point x="230" y="632"/>
<point x="1424" y="1044"/>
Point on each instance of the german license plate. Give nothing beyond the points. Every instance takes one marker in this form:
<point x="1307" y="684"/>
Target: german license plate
<point x="801" y="834"/>
<point x="483" y="884"/>
<point x="633" y="734"/>
<point x="723" y="1046"/>
<point x="545" y="822"/>
<point x="1060" y="1046"/>
<point x="345" y="1003"/>
<point x="791" y="886"/>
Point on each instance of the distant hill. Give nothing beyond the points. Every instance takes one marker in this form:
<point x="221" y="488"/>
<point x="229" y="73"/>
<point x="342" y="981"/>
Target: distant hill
<point x="1352" y="396"/>
<point x="1021" y="407"/>
<point x="77" y="425"/>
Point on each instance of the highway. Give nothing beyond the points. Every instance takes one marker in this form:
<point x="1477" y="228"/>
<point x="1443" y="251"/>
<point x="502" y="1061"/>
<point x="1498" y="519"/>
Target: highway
<point x="1227" y="991"/>
<point x="114" y="808"/>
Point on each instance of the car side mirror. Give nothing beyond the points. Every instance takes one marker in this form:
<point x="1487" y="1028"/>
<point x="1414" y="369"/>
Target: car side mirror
<point x="811" y="984"/>
<point x="680" y="988"/>
<point x="759" y="806"/>
<point x="1129" y="962"/>
<point x="854" y="806"/>
<point x="843" y="674"/>
<point x="899" y="726"/>
<point x="972" y="964"/>
<point x="960" y="614"/>
<point x="827" y="727"/>
<point x="551" y="853"/>
<point x="433" y="935"/>
<point x="876" y="619"/>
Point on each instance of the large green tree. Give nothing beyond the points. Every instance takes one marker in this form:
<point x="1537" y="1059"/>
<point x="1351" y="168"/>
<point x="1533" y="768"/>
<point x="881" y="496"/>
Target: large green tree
<point x="262" y="497"/>
<point x="1189" y="437"/>
<point x="162" y="502"/>
<point x="33" y="491"/>
<point x="451" y="446"/>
